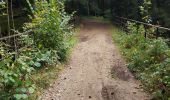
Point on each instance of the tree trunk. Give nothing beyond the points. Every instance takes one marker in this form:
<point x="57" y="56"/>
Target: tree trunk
<point x="88" y="7"/>
<point x="103" y="7"/>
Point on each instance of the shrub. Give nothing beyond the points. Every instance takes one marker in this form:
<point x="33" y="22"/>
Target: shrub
<point x="51" y="27"/>
<point x="46" y="46"/>
<point x="15" y="79"/>
<point x="149" y="59"/>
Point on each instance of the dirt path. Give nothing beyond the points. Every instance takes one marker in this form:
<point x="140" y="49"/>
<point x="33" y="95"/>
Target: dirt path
<point x="88" y="75"/>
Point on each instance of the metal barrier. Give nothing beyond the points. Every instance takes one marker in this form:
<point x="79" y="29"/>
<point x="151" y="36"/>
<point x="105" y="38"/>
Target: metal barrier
<point x="122" y="22"/>
<point x="13" y="42"/>
<point x="15" y="35"/>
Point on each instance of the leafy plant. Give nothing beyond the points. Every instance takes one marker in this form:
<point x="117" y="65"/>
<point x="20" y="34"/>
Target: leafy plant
<point x="51" y="27"/>
<point x="46" y="46"/>
<point x="15" y="79"/>
<point x="149" y="59"/>
<point x="146" y="10"/>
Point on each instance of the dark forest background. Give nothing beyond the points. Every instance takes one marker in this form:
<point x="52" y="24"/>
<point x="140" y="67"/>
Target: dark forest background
<point x="46" y="38"/>
<point x="159" y="11"/>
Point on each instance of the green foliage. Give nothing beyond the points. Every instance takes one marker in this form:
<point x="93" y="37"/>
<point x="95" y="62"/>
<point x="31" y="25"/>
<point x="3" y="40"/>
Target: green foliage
<point x="15" y="79"/>
<point x="149" y="59"/>
<point x="107" y="14"/>
<point x="51" y="27"/>
<point x="30" y="5"/>
<point x="2" y="13"/>
<point x="89" y="7"/>
<point x="15" y="76"/>
<point x="2" y="5"/>
<point x="47" y="46"/>
<point x="126" y="8"/>
<point x="146" y="10"/>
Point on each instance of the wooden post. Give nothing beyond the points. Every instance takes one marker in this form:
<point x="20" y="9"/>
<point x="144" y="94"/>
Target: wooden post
<point x="8" y="19"/>
<point x="0" y="32"/>
<point x="145" y="31"/>
<point x="121" y="24"/>
<point x="137" y="28"/>
<point x="157" y="33"/>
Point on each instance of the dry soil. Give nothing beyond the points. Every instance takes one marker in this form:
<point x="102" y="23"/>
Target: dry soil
<point x="88" y="74"/>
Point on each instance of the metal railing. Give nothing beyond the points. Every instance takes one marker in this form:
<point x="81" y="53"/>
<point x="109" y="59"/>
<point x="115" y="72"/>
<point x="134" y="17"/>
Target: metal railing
<point x="15" y="35"/>
<point x="13" y="42"/>
<point x="122" y="22"/>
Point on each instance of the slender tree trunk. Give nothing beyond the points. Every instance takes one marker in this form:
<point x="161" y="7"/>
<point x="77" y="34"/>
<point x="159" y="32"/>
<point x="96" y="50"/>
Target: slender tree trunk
<point x="103" y="7"/>
<point x="8" y="18"/>
<point x="88" y="7"/>
<point x="72" y="5"/>
<point x="13" y="27"/>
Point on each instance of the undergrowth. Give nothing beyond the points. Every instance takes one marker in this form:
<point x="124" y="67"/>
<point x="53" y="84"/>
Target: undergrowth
<point x="45" y="49"/>
<point x="96" y="18"/>
<point x="148" y="59"/>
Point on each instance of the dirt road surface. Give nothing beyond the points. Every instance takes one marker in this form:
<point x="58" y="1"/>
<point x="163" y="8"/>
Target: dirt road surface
<point x="88" y="74"/>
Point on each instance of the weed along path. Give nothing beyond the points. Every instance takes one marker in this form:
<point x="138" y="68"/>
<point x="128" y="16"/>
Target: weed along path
<point x="88" y="74"/>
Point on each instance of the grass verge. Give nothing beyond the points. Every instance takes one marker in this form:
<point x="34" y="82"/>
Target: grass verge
<point x="95" y="18"/>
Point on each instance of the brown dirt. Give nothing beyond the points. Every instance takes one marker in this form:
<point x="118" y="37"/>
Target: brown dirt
<point x="88" y="75"/>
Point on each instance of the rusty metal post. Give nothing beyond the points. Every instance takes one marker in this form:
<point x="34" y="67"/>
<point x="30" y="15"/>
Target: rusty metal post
<point x="137" y="28"/>
<point x="145" y="31"/>
<point x="157" y="33"/>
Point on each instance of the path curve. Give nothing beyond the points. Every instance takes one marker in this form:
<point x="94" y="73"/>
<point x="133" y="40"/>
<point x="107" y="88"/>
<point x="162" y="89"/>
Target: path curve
<point x="88" y="75"/>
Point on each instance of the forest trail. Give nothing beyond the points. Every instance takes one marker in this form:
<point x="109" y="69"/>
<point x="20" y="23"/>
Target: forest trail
<point x="88" y="74"/>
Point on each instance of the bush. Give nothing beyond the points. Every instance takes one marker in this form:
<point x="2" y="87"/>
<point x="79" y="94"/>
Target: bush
<point x="149" y="59"/>
<point x="15" y="79"/>
<point x="51" y="28"/>
<point x="46" y="46"/>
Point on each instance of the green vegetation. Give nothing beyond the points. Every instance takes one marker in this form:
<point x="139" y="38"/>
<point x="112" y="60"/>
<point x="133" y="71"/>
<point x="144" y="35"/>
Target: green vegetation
<point x="29" y="60"/>
<point x="156" y="11"/>
<point x="45" y="48"/>
<point x="44" y="78"/>
<point x="89" y="8"/>
<point x="148" y="59"/>
<point x="96" y="18"/>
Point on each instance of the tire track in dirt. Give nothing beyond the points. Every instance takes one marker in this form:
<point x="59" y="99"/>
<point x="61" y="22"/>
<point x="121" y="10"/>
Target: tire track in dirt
<point x="88" y="74"/>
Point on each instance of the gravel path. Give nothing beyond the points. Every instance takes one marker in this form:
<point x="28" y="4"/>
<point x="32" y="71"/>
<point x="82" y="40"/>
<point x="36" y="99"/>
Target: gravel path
<point x="88" y="74"/>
